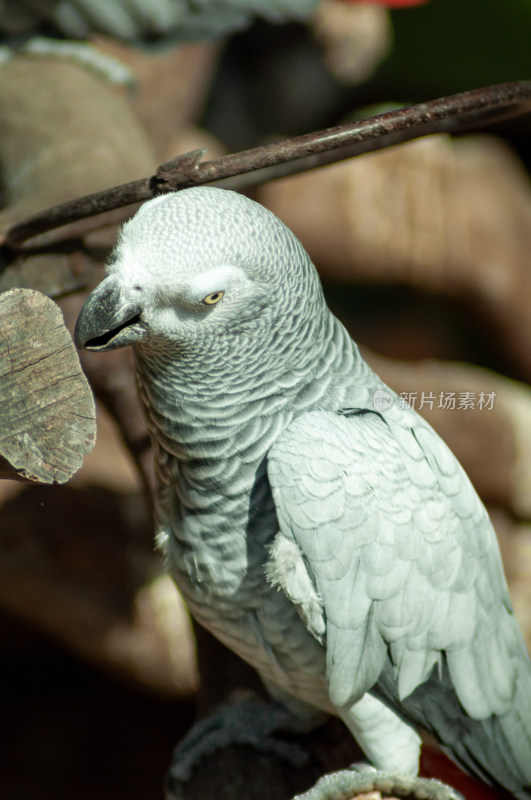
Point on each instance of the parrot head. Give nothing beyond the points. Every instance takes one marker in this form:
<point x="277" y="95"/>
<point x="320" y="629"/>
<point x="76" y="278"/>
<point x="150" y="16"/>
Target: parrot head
<point x="196" y="263"/>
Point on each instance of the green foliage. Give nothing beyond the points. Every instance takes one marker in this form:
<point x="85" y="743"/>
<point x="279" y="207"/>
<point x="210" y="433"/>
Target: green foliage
<point x="451" y="45"/>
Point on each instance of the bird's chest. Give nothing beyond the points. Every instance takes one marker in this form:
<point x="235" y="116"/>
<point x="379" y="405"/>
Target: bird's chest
<point x="217" y="553"/>
<point x="226" y="590"/>
<point x="216" y="569"/>
<point x="217" y="533"/>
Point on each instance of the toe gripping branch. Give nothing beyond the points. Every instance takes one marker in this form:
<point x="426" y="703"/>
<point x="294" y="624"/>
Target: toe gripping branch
<point x="361" y="780"/>
<point x="254" y="723"/>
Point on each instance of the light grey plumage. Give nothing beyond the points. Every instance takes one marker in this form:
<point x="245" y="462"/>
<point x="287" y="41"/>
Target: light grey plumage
<point x="337" y="547"/>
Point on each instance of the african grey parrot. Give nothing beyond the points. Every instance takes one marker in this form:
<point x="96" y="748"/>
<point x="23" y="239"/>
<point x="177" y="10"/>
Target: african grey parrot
<point x="329" y="538"/>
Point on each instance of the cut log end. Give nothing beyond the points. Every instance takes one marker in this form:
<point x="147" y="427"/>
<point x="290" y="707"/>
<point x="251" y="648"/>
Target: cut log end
<point x="47" y="414"/>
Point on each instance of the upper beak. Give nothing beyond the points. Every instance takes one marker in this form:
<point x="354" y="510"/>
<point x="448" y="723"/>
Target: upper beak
<point x="108" y="319"/>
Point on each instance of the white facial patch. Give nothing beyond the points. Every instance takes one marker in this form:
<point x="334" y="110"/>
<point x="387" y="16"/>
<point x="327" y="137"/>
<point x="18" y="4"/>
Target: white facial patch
<point x="215" y="280"/>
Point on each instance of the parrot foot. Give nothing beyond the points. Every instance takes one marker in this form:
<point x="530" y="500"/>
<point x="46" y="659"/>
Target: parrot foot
<point x="363" y="778"/>
<point x="248" y="722"/>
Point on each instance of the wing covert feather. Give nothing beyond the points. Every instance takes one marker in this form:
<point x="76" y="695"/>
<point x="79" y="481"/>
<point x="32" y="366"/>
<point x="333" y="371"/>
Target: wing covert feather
<point x="400" y="552"/>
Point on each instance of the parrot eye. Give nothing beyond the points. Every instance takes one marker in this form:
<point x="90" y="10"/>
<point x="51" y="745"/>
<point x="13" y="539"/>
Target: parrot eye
<point x="212" y="299"/>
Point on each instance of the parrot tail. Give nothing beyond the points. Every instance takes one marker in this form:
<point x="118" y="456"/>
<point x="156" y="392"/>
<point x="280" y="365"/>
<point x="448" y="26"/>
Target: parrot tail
<point x="495" y="746"/>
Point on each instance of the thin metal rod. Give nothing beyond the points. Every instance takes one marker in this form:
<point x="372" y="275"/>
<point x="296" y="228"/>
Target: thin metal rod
<point x="448" y="114"/>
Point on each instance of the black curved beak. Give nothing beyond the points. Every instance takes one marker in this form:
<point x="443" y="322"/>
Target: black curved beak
<point x="108" y="320"/>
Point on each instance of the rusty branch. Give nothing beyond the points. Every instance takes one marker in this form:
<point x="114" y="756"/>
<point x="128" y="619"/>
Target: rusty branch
<point x="447" y="114"/>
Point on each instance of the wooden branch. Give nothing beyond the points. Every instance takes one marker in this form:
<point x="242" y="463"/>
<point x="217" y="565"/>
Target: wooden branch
<point x="47" y="415"/>
<point x="448" y="114"/>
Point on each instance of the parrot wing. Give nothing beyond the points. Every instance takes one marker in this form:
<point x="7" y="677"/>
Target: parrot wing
<point x="388" y="553"/>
